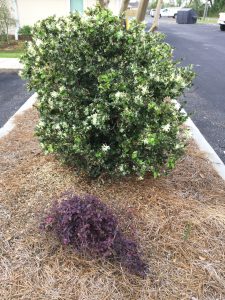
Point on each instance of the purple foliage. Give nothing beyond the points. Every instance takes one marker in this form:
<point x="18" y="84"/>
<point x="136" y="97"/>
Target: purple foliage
<point x="90" y="226"/>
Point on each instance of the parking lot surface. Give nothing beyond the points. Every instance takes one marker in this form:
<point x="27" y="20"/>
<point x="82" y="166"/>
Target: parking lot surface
<point x="204" y="47"/>
<point x="13" y="94"/>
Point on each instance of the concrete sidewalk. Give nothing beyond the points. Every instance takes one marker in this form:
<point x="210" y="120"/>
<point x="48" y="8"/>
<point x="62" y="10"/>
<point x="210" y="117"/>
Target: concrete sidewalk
<point x="10" y="64"/>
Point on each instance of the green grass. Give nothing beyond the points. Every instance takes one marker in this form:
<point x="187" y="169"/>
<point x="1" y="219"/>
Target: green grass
<point x="10" y="54"/>
<point x="208" y="21"/>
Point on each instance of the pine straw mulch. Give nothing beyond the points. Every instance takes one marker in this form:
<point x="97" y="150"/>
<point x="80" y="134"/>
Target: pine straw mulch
<point x="178" y="220"/>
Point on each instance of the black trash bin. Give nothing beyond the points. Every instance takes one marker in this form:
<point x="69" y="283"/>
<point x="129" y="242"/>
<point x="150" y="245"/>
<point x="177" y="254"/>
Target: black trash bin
<point x="186" y="16"/>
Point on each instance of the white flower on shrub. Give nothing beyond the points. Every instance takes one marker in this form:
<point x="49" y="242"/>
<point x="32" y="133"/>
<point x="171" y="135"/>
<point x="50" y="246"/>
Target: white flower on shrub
<point x="120" y="95"/>
<point x="41" y="124"/>
<point x="166" y="127"/>
<point x="59" y="26"/>
<point x="38" y="42"/>
<point x="62" y="88"/>
<point x="57" y="126"/>
<point x="94" y="119"/>
<point x="31" y="49"/>
<point x="145" y="141"/>
<point x="50" y="103"/>
<point x="178" y="146"/>
<point x="38" y="59"/>
<point x="121" y="168"/>
<point x="64" y="125"/>
<point x="144" y="89"/>
<point x="138" y="99"/>
<point x="105" y="148"/>
<point x="54" y="94"/>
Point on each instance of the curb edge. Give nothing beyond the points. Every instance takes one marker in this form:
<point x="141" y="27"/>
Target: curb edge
<point x="10" y="124"/>
<point x="203" y="144"/>
<point x="205" y="147"/>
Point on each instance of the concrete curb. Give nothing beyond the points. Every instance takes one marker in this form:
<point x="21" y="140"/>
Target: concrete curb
<point x="202" y="143"/>
<point x="10" y="124"/>
<point x="10" y="70"/>
<point x="204" y="146"/>
<point x="10" y="64"/>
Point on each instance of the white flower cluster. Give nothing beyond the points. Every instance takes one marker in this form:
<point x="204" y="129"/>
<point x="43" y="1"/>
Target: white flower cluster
<point x="138" y="99"/>
<point x="54" y="94"/>
<point x="38" y="42"/>
<point x="145" y="141"/>
<point x="120" y="95"/>
<point x="62" y="88"/>
<point x="143" y="89"/>
<point x="31" y="49"/>
<point x="105" y="148"/>
<point x="166" y="127"/>
<point x="94" y="119"/>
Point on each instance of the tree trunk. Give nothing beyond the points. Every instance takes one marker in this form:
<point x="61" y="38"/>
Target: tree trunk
<point x="7" y="32"/>
<point x="17" y="20"/>
<point x="124" y="6"/>
<point x="206" y="10"/>
<point x="101" y="2"/>
<point x="155" y="23"/>
<point x="143" y="5"/>
<point x="104" y="3"/>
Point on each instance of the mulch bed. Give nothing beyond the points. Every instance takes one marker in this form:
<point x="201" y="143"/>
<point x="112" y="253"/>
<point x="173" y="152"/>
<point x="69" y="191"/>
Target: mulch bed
<point x="179" y="221"/>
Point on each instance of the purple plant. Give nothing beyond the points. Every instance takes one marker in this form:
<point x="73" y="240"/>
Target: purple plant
<point x="91" y="227"/>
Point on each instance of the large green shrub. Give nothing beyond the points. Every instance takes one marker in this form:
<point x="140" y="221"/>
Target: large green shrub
<point x="103" y="94"/>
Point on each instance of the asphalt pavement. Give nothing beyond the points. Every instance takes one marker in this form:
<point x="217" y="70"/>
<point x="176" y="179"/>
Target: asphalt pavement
<point x="204" y="47"/>
<point x="13" y="94"/>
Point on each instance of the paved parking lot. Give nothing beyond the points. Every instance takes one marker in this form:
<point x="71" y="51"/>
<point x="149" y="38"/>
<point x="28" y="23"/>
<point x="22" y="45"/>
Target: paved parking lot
<point x="13" y="94"/>
<point x="204" y="47"/>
